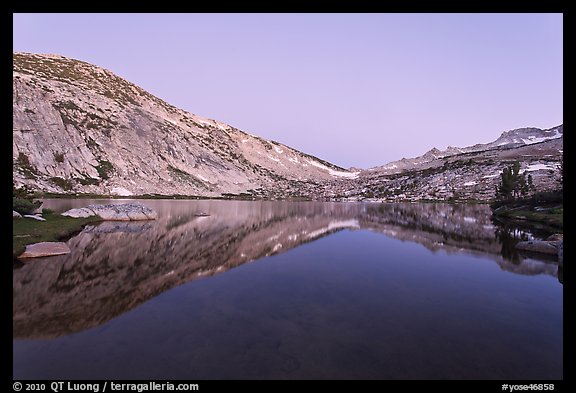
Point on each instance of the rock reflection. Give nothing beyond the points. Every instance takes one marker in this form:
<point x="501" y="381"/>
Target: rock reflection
<point x="114" y="267"/>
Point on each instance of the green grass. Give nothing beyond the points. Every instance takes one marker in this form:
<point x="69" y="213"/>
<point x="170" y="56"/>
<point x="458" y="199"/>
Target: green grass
<point x="56" y="228"/>
<point x="542" y="207"/>
<point x="551" y="218"/>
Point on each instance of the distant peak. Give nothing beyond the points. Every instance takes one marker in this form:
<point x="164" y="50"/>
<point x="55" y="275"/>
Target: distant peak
<point x="433" y="153"/>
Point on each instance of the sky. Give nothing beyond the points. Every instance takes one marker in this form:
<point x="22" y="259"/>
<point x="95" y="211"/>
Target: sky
<point x="358" y="90"/>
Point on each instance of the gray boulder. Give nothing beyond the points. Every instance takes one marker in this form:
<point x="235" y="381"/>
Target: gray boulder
<point x="122" y="212"/>
<point x="540" y="246"/>
<point x="44" y="249"/>
<point x="79" y="213"/>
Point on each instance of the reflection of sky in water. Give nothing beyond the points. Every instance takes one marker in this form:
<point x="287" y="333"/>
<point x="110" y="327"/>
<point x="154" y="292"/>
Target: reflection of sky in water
<point x="353" y="304"/>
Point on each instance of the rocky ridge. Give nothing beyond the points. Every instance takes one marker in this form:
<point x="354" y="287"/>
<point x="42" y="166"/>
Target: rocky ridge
<point x="464" y="176"/>
<point x="78" y="128"/>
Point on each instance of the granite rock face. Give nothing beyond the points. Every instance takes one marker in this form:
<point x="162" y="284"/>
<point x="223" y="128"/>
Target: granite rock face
<point x="80" y="128"/>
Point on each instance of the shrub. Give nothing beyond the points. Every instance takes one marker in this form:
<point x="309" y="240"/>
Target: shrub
<point x="59" y="157"/>
<point x="105" y="169"/>
<point x="26" y="167"/>
<point x="64" y="184"/>
<point x="88" y="181"/>
<point x="25" y="206"/>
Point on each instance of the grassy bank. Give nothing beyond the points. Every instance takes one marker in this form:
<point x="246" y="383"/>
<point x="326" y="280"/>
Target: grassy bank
<point x="56" y="228"/>
<point x="553" y="217"/>
<point x="545" y="208"/>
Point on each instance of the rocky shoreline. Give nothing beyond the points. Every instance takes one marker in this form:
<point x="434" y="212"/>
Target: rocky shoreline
<point x="121" y="212"/>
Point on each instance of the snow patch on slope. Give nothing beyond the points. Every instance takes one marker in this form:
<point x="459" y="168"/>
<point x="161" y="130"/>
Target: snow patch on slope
<point x="538" y="167"/>
<point x="120" y="191"/>
<point x="202" y="178"/>
<point x="350" y="175"/>
<point x="532" y="139"/>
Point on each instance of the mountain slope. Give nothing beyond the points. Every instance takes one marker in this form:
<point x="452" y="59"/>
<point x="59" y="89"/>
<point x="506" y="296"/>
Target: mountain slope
<point x="508" y="140"/>
<point x="80" y="128"/>
<point x="472" y="175"/>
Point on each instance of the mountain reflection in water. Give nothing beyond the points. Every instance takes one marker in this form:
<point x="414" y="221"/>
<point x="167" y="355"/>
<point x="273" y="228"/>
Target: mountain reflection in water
<point x="113" y="267"/>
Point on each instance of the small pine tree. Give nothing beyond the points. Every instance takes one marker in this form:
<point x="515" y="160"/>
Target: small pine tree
<point x="513" y="183"/>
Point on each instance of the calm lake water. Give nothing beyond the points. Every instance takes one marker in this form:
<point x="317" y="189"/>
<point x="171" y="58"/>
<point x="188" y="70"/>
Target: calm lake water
<point x="291" y="290"/>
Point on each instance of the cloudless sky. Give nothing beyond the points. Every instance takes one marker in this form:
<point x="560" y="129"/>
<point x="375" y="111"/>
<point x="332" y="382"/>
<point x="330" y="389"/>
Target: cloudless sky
<point x="354" y="89"/>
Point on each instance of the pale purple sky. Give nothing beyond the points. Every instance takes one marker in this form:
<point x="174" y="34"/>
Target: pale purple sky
<point x="354" y="89"/>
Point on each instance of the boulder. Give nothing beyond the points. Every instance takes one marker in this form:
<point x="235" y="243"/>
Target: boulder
<point x="122" y="212"/>
<point x="79" y="213"/>
<point x="541" y="246"/>
<point x="15" y="214"/>
<point x="34" y="217"/>
<point x="44" y="249"/>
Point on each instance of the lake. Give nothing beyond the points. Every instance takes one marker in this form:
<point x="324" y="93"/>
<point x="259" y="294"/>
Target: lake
<point x="291" y="290"/>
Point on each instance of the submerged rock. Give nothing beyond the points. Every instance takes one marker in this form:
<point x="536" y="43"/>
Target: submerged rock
<point x="44" y="249"/>
<point x="122" y="212"/>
